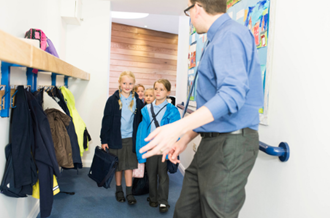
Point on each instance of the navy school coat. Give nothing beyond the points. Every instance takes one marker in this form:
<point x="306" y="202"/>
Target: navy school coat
<point x="110" y="132"/>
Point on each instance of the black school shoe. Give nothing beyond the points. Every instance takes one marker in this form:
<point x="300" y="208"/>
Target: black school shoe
<point x="120" y="196"/>
<point x="163" y="208"/>
<point x="130" y="199"/>
<point x="152" y="204"/>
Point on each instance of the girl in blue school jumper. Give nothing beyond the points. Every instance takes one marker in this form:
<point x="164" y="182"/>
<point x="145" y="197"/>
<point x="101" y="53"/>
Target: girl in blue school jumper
<point x="122" y="116"/>
<point x="165" y="113"/>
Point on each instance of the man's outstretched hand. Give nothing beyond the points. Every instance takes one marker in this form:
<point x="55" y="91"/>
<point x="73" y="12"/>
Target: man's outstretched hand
<point x="162" y="140"/>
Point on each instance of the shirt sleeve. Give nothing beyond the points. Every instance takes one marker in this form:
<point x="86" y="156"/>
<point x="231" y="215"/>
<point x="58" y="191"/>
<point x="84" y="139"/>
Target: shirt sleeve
<point x="230" y="68"/>
<point x="176" y="115"/>
<point x="140" y="142"/>
<point x="106" y="123"/>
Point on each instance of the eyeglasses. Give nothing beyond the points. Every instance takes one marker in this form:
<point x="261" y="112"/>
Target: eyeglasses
<point x="186" y="12"/>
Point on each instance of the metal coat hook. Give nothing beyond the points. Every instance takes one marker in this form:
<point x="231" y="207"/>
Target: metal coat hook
<point x="2" y="99"/>
<point x="12" y="99"/>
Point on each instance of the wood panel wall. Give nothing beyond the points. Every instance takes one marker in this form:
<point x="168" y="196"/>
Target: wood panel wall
<point x="150" y="55"/>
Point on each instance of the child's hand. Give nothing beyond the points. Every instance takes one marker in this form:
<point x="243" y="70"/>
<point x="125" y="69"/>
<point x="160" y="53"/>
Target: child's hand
<point x="104" y="146"/>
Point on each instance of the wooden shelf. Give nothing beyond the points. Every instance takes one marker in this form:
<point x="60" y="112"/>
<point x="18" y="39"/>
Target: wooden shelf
<point x="13" y="50"/>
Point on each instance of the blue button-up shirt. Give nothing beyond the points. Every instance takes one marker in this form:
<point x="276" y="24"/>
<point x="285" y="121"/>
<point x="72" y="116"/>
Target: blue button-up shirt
<point x="127" y="117"/>
<point x="159" y="117"/>
<point x="229" y="78"/>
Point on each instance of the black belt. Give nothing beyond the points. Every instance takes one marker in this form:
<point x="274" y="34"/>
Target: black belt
<point x="215" y="134"/>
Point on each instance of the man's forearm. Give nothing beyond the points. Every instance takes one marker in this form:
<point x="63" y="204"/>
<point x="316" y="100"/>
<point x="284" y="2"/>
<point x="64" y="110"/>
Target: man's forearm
<point x="189" y="136"/>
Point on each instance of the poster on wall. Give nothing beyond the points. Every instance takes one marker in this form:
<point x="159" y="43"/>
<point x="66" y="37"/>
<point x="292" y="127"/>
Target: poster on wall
<point x="256" y="19"/>
<point x="192" y="56"/>
<point x="196" y="45"/>
<point x="231" y="3"/>
<point x="255" y="15"/>
<point x="191" y="77"/>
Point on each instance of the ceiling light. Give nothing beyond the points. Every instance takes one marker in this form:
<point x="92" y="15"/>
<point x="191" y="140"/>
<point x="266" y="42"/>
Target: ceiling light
<point x="145" y="26"/>
<point x="128" y="15"/>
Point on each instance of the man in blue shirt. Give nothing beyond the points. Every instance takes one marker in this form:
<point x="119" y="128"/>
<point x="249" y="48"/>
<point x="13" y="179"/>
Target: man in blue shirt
<point x="229" y="95"/>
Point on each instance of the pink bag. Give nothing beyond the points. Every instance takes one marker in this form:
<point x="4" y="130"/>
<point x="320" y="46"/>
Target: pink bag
<point x="139" y="172"/>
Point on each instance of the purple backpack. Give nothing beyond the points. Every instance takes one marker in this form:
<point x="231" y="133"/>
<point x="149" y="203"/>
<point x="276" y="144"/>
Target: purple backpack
<point x="45" y="43"/>
<point x="50" y="48"/>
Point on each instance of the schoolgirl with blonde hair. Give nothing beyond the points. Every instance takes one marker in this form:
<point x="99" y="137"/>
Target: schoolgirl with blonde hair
<point x="122" y="116"/>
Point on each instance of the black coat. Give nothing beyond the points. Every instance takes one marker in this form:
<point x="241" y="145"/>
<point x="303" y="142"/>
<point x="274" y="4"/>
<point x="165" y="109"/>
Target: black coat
<point x="44" y="155"/>
<point x="110" y="132"/>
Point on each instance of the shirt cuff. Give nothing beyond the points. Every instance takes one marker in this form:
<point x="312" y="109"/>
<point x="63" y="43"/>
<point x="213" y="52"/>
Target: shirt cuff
<point x="217" y="107"/>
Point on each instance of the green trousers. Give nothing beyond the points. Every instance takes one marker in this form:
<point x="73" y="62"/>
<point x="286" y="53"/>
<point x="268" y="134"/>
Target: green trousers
<point x="214" y="183"/>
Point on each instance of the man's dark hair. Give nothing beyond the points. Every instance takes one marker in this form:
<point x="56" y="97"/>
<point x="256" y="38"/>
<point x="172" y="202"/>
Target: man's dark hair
<point x="212" y="6"/>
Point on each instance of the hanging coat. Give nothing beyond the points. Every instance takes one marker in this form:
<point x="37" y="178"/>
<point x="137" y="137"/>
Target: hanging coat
<point x="44" y="154"/>
<point x="21" y="137"/>
<point x="58" y="122"/>
<point x="78" y="122"/>
<point x="58" y="97"/>
<point x="50" y="103"/>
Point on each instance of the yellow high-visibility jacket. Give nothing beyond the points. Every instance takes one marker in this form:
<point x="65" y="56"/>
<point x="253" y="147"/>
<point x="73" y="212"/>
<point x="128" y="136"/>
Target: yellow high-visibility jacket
<point x="36" y="189"/>
<point x="78" y="122"/>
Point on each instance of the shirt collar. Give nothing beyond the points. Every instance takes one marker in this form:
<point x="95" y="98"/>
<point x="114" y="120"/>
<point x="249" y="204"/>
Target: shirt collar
<point x="122" y="97"/>
<point x="161" y="105"/>
<point x="216" y="25"/>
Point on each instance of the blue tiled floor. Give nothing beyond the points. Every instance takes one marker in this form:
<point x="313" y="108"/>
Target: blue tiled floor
<point x="91" y="201"/>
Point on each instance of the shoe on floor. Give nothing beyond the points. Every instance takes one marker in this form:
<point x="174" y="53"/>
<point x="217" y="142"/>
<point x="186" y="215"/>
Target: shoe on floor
<point x="130" y="199"/>
<point x="120" y="196"/>
<point x="163" y="208"/>
<point x="152" y="204"/>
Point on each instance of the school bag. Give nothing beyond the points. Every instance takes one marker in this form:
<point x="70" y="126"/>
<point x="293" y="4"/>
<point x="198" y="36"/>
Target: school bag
<point x="171" y="167"/>
<point x="103" y="167"/>
<point x="45" y="43"/>
<point x="141" y="185"/>
<point x="7" y="185"/>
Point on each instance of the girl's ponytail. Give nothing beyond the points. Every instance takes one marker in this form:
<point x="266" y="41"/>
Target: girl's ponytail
<point x="119" y="101"/>
<point x="132" y="102"/>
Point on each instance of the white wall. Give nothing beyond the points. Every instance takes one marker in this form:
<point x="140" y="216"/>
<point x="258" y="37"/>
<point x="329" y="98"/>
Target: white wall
<point x="299" y="114"/>
<point x="182" y="66"/>
<point x="86" y="46"/>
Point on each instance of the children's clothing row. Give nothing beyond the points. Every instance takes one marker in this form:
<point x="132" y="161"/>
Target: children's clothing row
<point x="123" y="130"/>
<point x="42" y="138"/>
